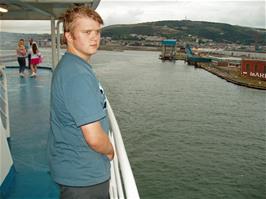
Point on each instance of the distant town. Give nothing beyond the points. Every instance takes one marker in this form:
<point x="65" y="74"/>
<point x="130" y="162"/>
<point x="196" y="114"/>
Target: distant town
<point x="237" y="54"/>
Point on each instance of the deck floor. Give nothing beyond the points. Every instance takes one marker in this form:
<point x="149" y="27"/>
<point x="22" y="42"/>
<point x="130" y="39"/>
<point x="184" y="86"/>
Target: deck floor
<point x="29" y="100"/>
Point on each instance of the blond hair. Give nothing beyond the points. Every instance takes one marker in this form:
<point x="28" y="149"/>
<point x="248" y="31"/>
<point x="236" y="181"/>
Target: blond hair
<point x="71" y="15"/>
<point x="21" y="42"/>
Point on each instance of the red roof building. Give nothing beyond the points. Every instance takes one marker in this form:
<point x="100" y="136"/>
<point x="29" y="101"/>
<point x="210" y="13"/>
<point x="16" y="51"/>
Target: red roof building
<point x="254" y="68"/>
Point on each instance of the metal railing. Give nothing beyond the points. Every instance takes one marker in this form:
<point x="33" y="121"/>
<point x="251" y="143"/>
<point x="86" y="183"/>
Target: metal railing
<point x="122" y="184"/>
<point x="4" y="111"/>
<point x="7" y="169"/>
<point x="8" y="58"/>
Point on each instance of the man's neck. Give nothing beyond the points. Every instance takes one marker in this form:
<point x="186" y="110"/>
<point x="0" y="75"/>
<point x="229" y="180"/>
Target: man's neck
<point x="77" y="53"/>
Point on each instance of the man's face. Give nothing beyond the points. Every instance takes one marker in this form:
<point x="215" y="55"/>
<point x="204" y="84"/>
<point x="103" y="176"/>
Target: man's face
<point x="85" y="39"/>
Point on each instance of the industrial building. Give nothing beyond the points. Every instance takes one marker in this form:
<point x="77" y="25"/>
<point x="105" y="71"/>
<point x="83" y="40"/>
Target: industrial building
<point x="254" y="68"/>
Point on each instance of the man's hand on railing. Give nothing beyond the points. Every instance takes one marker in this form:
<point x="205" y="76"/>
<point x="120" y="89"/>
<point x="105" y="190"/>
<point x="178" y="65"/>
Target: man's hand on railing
<point x="111" y="155"/>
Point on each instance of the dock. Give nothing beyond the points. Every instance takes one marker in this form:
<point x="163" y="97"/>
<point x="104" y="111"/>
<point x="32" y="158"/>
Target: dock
<point x="233" y="75"/>
<point x="168" y="49"/>
<point x="193" y="59"/>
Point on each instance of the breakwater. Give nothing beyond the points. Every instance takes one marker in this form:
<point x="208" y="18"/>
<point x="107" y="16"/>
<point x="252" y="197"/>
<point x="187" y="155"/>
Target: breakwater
<point x="233" y="75"/>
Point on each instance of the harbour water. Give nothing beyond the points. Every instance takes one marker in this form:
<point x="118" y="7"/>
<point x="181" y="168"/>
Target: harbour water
<point x="188" y="133"/>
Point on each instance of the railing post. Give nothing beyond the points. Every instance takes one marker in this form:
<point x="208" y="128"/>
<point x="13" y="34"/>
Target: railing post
<point x="54" y="58"/>
<point x="58" y="41"/>
<point x="4" y="111"/>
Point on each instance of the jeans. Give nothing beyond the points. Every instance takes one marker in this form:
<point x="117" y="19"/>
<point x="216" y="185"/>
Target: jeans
<point x="98" y="191"/>
<point x="22" y="64"/>
<point x="29" y="58"/>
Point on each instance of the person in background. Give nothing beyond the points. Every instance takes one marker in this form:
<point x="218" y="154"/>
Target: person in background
<point x="29" y="46"/>
<point x="21" y="54"/>
<point x="79" y="149"/>
<point x="36" y="58"/>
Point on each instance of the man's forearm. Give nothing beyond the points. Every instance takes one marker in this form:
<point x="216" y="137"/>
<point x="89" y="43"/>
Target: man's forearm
<point x="97" y="139"/>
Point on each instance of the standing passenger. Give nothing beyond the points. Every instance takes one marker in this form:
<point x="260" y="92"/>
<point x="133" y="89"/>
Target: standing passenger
<point x="21" y="53"/>
<point x="29" y="51"/>
<point x="36" y="59"/>
<point x="79" y="149"/>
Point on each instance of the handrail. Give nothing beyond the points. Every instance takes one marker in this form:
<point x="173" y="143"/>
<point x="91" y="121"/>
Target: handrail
<point x="7" y="170"/>
<point x="8" y="58"/>
<point x="122" y="178"/>
<point x="4" y="110"/>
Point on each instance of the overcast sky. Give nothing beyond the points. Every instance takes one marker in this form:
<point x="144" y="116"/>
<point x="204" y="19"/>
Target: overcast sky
<point x="243" y="13"/>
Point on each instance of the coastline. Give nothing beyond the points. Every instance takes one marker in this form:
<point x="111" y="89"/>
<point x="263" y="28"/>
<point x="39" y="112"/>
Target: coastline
<point x="234" y="76"/>
<point x="122" y="48"/>
<point x="230" y="74"/>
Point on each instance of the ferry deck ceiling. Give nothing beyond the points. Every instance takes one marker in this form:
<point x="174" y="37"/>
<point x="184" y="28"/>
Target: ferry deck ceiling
<point x="39" y="9"/>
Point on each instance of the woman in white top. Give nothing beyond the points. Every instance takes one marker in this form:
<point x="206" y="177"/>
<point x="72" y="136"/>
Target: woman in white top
<point x="21" y="53"/>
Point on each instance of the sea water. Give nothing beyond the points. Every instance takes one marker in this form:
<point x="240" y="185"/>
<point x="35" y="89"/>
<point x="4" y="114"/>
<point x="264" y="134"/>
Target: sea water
<point x="188" y="133"/>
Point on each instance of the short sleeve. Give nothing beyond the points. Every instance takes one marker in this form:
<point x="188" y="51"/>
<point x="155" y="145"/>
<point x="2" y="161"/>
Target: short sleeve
<point x="82" y="99"/>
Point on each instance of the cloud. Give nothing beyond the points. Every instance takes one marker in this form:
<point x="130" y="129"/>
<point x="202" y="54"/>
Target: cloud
<point x="128" y="12"/>
<point x="243" y="13"/>
<point x="236" y="12"/>
<point x="120" y="13"/>
<point x="29" y="26"/>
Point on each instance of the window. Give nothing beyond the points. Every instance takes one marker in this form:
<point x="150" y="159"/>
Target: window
<point x="248" y="68"/>
<point x="264" y="69"/>
<point x="256" y="68"/>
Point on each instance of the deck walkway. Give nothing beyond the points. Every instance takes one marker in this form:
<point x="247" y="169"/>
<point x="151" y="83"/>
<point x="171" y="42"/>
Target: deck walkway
<point x="29" y="100"/>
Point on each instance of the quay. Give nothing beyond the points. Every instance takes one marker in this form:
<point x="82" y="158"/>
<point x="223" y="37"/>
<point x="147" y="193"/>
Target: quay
<point x="238" y="70"/>
<point x="168" y="49"/>
<point x="233" y="75"/>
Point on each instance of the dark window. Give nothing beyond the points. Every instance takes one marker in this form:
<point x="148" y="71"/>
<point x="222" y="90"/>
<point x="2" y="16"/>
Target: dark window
<point x="256" y="68"/>
<point x="265" y="69"/>
<point x="248" y="68"/>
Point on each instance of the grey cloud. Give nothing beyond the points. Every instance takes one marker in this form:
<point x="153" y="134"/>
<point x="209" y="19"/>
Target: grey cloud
<point x="243" y="13"/>
<point x="231" y="12"/>
<point x="26" y="26"/>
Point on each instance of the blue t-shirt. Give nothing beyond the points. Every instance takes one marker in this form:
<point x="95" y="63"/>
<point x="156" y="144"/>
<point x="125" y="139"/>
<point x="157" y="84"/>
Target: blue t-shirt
<point x="76" y="99"/>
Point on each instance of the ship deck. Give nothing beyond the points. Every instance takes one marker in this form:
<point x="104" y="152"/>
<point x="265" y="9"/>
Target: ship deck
<point x="29" y="100"/>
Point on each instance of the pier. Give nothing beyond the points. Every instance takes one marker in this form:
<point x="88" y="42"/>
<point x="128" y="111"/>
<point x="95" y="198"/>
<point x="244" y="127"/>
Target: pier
<point x="168" y="49"/>
<point x="193" y="59"/>
<point x="233" y="75"/>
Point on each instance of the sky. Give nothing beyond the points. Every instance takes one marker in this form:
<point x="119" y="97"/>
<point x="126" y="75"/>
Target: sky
<point x="243" y="13"/>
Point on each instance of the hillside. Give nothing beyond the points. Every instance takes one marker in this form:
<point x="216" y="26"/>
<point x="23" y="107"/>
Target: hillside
<point x="181" y="30"/>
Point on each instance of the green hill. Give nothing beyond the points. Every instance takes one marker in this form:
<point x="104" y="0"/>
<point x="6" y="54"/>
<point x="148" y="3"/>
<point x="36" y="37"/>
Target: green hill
<point x="182" y="30"/>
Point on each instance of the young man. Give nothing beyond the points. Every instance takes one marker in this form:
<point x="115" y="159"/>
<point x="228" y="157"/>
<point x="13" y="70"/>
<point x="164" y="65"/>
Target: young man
<point x="79" y="149"/>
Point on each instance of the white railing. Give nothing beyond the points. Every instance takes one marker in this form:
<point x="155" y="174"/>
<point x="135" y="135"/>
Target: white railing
<point x="4" y="111"/>
<point x="6" y="162"/>
<point x="8" y="58"/>
<point x="122" y="184"/>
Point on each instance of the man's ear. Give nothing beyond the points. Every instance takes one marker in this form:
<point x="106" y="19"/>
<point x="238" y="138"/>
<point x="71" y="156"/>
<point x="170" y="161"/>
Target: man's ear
<point x="68" y="37"/>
